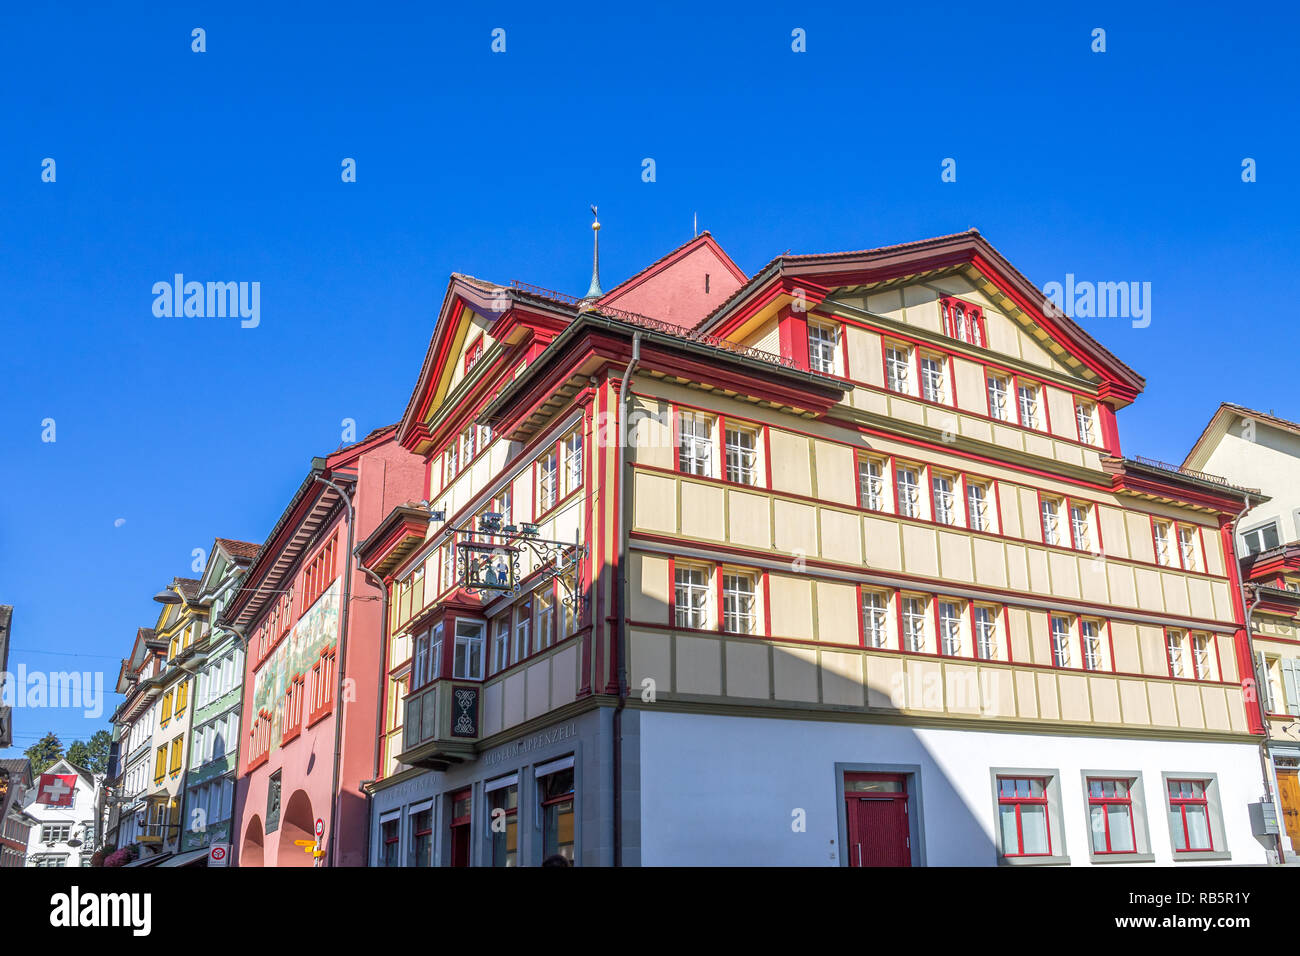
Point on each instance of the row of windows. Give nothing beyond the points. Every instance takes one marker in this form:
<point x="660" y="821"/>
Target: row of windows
<point x="1115" y="826"/>
<point x="543" y="618"/>
<point x="461" y="451"/>
<point x="554" y="808"/>
<point x="727" y="598"/>
<point x="174" y="703"/>
<point x="913" y="489"/>
<point x="212" y="741"/>
<point x="559" y="472"/>
<point x="219" y="678"/>
<point x="923" y="373"/>
<point x="315" y="578"/>
<point x="211" y="803"/>
<point x="163" y="765"/>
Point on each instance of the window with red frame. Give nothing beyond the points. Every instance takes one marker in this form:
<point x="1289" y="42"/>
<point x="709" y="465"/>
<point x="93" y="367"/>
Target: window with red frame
<point x="1110" y="816"/>
<point x="1023" y="816"/>
<point x="964" y="322"/>
<point x="293" y="702"/>
<point x="1189" y="815"/>
<point x="322" y="684"/>
<point x="319" y="574"/>
<point x="473" y="354"/>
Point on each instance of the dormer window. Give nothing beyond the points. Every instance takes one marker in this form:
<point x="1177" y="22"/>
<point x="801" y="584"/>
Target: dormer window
<point x="823" y="348"/>
<point x="963" y="321"/>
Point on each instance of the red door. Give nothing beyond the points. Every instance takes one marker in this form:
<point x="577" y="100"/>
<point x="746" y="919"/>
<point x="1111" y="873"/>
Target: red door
<point x="460" y="817"/>
<point x="876" y="806"/>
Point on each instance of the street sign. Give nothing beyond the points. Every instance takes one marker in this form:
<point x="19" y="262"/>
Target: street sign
<point x="219" y="854"/>
<point x="320" y="828"/>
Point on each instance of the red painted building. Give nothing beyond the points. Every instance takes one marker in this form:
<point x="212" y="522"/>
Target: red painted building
<point x="312" y="623"/>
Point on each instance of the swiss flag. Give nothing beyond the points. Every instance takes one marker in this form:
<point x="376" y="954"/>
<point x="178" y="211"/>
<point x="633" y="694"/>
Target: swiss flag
<point x="56" y="789"/>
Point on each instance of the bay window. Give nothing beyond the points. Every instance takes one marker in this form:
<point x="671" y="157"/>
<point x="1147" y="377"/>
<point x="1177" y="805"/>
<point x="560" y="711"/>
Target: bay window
<point x="468" y="661"/>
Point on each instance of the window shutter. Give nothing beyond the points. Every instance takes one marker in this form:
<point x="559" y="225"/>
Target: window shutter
<point x="1291" y="685"/>
<point x="1263" y="688"/>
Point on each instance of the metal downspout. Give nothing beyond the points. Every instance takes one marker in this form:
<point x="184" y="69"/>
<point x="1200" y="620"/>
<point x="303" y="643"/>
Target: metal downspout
<point x="379" y="698"/>
<point x="621" y="638"/>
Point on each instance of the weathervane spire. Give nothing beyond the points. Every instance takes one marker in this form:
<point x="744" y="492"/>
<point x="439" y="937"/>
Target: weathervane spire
<point x="594" y="292"/>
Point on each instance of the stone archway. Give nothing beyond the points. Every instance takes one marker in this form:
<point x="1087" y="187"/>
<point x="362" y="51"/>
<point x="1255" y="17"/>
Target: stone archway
<point x="253" y="852"/>
<point x="297" y="822"/>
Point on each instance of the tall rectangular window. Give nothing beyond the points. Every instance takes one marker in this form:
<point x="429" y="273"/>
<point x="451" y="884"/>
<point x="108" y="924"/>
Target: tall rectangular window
<point x="945" y="509"/>
<point x="571" y="448"/>
<point x="422" y="838"/>
<point x="695" y="447"/>
<point x="544" y="611"/>
<point x="871" y="483"/>
<point x="874" y="617"/>
<point x="1189" y="815"/>
<point x="909" y="495"/>
<point x="557" y="814"/>
<point x="913" y="624"/>
<point x="691" y="597"/>
<point x="1163" y="544"/>
<point x="523" y="630"/>
<point x="389" y="834"/>
<point x="823" y="347"/>
<point x="1090" y="633"/>
<point x="742" y="455"/>
<point x="1203" y="657"/>
<point x="977" y="506"/>
<point x="547" y="490"/>
<point x="1081" y="525"/>
<point x="1189" y="548"/>
<point x="898" y="365"/>
<point x="1028" y="395"/>
<point x="1023" y="816"/>
<point x="934" y="386"/>
<point x="1083" y="417"/>
<point x="434" y="670"/>
<point x="999" y="409"/>
<point x="950" y="628"/>
<point x="1110" y="816"/>
<point x="1051" y="521"/>
<point x="1061" y="641"/>
<point x="503" y="824"/>
<point x="738" y="603"/>
<point x="986" y="633"/>
<point x="468" y="663"/>
<point x="1175" y="648"/>
<point x="501" y="643"/>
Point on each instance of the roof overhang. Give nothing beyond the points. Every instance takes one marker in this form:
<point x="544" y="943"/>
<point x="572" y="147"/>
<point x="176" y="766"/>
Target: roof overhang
<point x="1169" y="484"/>
<point x="394" y="540"/>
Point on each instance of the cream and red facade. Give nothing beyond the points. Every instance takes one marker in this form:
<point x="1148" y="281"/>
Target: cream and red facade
<point x="311" y="622"/>
<point x="869" y="581"/>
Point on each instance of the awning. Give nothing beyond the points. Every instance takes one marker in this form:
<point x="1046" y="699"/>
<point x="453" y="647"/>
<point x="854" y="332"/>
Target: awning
<point x="190" y="858"/>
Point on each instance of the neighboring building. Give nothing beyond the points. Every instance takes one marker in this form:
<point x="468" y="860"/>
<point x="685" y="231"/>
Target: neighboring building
<point x="64" y="805"/>
<point x="312" y="624"/>
<point x="15" y="823"/>
<point x="130" y="767"/>
<point x="869" y="582"/>
<point x="217" y="661"/>
<point x="6" y="712"/>
<point x="1252" y="448"/>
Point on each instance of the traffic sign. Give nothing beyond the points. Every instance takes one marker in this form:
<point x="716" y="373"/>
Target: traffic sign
<point x="219" y="854"/>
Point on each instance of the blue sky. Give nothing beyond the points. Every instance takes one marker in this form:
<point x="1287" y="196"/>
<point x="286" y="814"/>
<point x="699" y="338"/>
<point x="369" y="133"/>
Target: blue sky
<point x="225" y="165"/>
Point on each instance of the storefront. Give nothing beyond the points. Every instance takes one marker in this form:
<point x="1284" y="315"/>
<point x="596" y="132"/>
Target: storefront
<point x="516" y="804"/>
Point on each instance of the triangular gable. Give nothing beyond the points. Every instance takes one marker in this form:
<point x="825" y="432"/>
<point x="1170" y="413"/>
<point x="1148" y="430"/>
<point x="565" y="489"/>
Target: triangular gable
<point x="682" y="287"/>
<point x="967" y="254"/>
<point x="476" y="312"/>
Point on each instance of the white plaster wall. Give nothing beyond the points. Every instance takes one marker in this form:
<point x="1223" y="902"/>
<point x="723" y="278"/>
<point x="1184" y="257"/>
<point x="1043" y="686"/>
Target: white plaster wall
<point x="1271" y="463"/>
<point x="721" y="790"/>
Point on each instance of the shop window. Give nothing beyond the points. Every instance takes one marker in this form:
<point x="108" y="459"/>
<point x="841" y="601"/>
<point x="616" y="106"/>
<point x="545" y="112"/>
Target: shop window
<point x="503" y="821"/>
<point x="557" y="803"/>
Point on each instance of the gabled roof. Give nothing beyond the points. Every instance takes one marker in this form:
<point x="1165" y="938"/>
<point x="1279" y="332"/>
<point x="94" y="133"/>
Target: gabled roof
<point x="968" y="250"/>
<point x="239" y="551"/>
<point x="1218" y="425"/>
<point x="658" y="291"/>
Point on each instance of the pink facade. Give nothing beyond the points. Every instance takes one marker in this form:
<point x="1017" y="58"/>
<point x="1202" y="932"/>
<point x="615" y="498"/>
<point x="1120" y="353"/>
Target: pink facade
<point x="294" y="719"/>
<point x="681" y="288"/>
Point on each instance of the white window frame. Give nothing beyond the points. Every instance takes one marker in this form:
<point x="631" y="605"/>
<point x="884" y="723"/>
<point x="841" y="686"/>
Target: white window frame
<point x="997" y="388"/>
<point x="739" y="603"/>
<point x="1028" y="399"/>
<point x="691" y="596"/>
<point x="875" y="618"/>
<point x="898" y="369"/>
<point x="695" y="444"/>
<point x="950" y="628"/>
<point x="871" y="487"/>
<point x="1061" y="638"/>
<point x="742" y="459"/>
<point x="823" y="351"/>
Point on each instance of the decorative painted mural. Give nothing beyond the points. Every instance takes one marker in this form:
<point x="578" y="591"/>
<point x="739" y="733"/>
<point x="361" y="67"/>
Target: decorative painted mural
<point x="317" y="628"/>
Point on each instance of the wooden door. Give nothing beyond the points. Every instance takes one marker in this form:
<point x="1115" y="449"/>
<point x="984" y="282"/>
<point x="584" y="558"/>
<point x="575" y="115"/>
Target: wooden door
<point x="1288" y="794"/>
<point x="878" y="821"/>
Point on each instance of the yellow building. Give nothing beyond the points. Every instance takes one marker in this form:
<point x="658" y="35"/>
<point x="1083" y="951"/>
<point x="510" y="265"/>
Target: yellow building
<point x="840" y="563"/>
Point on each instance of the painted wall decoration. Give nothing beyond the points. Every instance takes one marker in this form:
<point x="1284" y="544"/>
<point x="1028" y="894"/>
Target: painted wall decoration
<point x="316" y="629"/>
